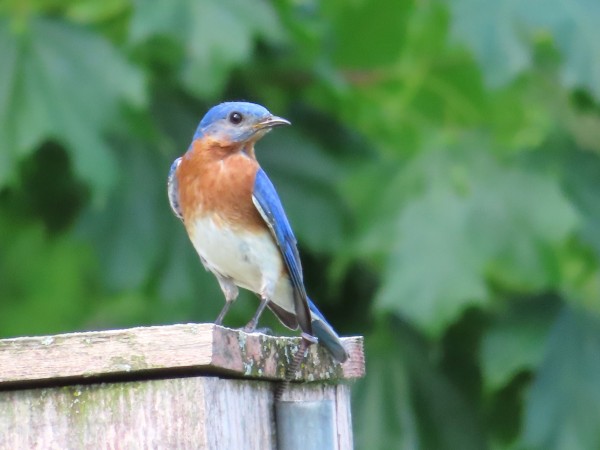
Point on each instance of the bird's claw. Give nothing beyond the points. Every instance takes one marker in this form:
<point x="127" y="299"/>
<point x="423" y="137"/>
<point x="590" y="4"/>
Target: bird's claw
<point x="251" y="328"/>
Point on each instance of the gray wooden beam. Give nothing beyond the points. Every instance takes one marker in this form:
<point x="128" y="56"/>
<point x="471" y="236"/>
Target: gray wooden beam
<point x="197" y="348"/>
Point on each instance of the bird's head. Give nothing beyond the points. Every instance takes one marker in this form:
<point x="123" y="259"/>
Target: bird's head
<point x="237" y="122"/>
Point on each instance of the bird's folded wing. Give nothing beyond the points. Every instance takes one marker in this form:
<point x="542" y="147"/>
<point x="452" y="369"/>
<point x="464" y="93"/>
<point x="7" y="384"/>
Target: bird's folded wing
<point x="267" y="202"/>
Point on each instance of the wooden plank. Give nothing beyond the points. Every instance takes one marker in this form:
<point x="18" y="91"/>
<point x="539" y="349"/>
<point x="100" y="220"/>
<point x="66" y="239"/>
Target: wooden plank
<point x="104" y="416"/>
<point x="195" y="348"/>
<point x="240" y="414"/>
<point x="178" y="413"/>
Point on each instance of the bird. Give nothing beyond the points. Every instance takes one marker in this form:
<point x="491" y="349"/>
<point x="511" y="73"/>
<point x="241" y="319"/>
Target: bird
<point x="236" y="221"/>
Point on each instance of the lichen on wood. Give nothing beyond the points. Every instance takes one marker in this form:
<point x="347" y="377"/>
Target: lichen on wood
<point x="195" y="348"/>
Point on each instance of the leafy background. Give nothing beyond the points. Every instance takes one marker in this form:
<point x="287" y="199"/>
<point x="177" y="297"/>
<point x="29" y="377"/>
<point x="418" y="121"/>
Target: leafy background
<point x="442" y="176"/>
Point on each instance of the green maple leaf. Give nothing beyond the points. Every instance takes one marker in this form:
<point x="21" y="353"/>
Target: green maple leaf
<point x="215" y="35"/>
<point x="473" y="221"/>
<point x="500" y="36"/>
<point x="564" y="403"/>
<point x="61" y="82"/>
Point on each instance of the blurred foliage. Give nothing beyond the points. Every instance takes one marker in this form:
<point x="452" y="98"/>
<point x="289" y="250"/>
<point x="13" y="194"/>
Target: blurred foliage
<point x="442" y="176"/>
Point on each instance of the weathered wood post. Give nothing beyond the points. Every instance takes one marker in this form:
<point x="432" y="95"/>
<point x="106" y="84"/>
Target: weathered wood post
<point x="192" y="386"/>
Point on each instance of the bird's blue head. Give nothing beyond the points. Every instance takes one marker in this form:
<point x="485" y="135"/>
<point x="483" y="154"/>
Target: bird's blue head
<point x="237" y="122"/>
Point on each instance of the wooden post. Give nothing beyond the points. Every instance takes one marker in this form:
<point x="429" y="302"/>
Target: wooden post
<point x="192" y="386"/>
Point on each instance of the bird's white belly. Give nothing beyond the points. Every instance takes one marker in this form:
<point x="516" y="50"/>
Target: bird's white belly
<point x="251" y="260"/>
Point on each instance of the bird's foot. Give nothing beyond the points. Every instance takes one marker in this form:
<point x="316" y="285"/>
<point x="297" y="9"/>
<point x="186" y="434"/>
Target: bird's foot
<point x="251" y="328"/>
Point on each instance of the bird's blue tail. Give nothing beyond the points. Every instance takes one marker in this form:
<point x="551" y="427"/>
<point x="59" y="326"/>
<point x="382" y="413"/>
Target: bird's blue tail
<point x="326" y="334"/>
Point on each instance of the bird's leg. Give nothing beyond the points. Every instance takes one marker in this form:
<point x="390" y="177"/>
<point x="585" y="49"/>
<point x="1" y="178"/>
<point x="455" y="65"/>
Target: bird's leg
<point x="266" y="294"/>
<point x="231" y="292"/>
<point x="251" y="326"/>
<point x="221" y="315"/>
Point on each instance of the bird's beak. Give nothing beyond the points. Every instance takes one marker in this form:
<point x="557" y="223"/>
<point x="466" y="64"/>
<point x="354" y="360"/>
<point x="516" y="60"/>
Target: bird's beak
<point x="271" y="122"/>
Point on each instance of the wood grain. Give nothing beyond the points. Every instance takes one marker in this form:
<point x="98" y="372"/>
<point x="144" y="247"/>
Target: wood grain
<point x="178" y="413"/>
<point x="164" y="350"/>
<point x="189" y="386"/>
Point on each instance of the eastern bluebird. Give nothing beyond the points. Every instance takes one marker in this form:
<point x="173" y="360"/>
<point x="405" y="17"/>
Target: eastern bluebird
<point x="236" y="222"/>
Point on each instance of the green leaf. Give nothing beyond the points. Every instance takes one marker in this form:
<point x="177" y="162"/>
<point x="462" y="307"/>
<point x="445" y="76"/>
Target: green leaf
<point x="126" y="233"/>
<point x="410" y="83"/>
<point x="383" y="410"/>
<point x="9" y="52"/>
<point x="564" y="403"/>
<point x="406" y="402"/>
<point x="490" y="29"/>
<point x="384" y="21"/>
<point x="582" y="172"/>
<point x="580" y="259"/>
<point x="523" y="218"/>
<point x="516" y="341"/>
<point x="45" y="284"/>
<point x="500" y="36"/>
<point x="474" y="221"/>
<point x="433" y="273"/>
<point x="62" y="82"/>
<point x="573" y="25"/>
<point x="216" y="35"/>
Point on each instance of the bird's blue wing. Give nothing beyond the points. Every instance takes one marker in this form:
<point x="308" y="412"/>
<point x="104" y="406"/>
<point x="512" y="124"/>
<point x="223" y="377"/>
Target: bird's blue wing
<point x="173" y="189"/>
<point x="269" y="205"/>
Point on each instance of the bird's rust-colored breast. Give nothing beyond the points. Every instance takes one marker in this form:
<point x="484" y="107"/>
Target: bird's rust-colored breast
<point x="218" y="181"/>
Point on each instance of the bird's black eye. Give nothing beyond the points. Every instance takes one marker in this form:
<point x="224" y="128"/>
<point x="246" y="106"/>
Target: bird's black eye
<point x="235" y="118"/>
